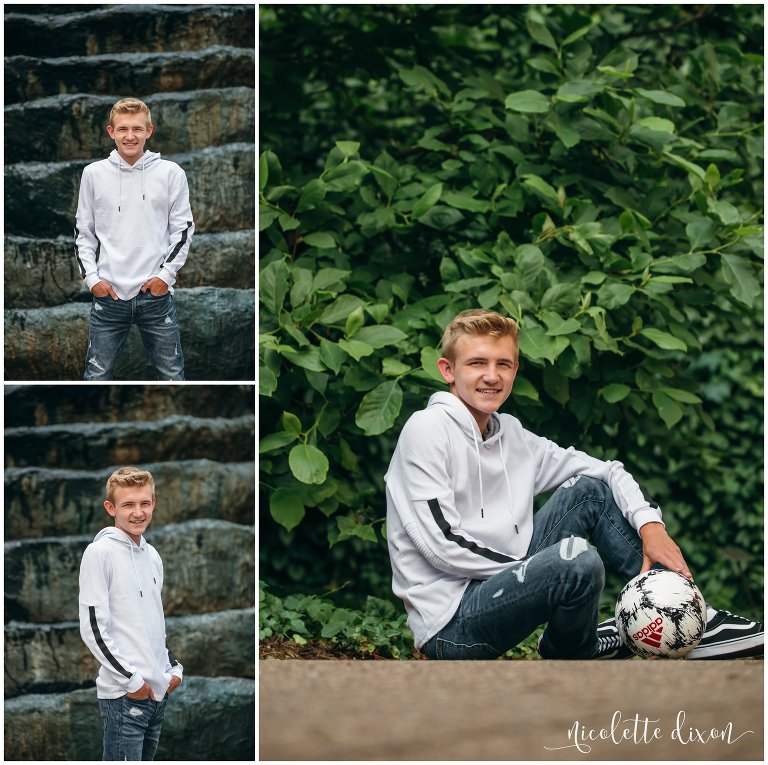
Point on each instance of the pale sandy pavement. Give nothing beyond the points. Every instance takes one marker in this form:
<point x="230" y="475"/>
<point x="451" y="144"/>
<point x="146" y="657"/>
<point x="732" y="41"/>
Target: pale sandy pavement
<point x="509" y="710"/>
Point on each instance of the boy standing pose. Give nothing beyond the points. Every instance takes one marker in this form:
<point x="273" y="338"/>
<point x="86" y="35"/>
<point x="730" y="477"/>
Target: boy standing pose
<point x="122" y="622"/>
<point x="133" y="232"/>
<point x="477" y="570"/>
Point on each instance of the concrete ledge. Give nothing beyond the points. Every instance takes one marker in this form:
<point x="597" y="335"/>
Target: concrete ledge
<point x="205" y="719"/>
<point x="209" y="566"/>
<point x="28" y="78"/>
<point x="217" y="336"/>
<point x="73" y="126"/>
<point x="91" y="30"/>
<point x="507" y="710"/>
<point x="41" y="197"/>
<point x="47" y="658"/>
<point x="43" y="502"/>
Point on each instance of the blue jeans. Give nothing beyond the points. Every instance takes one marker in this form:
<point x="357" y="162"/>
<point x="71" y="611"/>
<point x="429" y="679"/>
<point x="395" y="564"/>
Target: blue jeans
<point x="109" y="325"/>
<point x="559" y="582"/>
<point x="131" y="727"/>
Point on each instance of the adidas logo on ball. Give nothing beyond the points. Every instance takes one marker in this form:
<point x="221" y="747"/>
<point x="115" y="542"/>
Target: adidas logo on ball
<point x="660" y="613"/>
<point x="651" y="634"/>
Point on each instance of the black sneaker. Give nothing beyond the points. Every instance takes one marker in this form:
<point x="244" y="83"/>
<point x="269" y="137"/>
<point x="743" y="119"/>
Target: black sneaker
<point x="729" y="637"/>
<point x="609" y="643"/>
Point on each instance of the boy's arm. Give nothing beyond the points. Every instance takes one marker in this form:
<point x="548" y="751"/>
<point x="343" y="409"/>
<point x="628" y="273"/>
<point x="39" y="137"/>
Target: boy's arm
<point x="86" y="243"/>
<point x="94" y="621"/>
<point x="419" y="488"/>
<point x="556" y="465"/>
<point x="181" y="226"/>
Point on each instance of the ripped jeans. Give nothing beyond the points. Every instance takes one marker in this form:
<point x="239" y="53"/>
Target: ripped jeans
<point x="559" y="582"/>
<point x="109" y="325"/>
<point x="131" y="727"/>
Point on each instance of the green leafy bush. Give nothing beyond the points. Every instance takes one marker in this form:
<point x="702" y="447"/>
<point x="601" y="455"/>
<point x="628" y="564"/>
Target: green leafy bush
<point x="594" y="172"/>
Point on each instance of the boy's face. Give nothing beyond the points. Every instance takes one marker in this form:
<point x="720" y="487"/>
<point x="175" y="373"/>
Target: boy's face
<point x="130" y="133"/>
<point x="482" y="373"/>
<point x="132" y="509"/>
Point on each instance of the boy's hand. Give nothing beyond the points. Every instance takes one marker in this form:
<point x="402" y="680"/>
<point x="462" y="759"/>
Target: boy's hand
<point x="175" y="683"/>
<point x="104" y="289"/>
<point x="156" y="286"/>
<point x="658" y="547"/>
<point x="144" y="692"/>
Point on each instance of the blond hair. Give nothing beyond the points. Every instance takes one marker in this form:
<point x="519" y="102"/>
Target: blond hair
<point x="477" y="322"/>
<point x="128" y="476"/>
<point x="129" y="106"/>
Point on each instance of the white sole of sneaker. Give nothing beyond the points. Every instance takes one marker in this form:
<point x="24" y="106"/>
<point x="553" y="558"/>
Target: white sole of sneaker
<point x="727" y="648"/>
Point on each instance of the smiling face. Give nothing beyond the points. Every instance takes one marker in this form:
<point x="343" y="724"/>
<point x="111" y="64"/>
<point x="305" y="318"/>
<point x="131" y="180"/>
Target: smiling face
<point x="132" y="509"/>
<point x="482" y="373"/>
<point x="130" y="131"/>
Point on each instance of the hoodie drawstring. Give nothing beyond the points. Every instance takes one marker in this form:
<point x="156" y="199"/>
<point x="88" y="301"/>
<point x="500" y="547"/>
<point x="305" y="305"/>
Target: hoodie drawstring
<point x="479" y="472"/>
<point x="509" y="488"/>
<point x="136" y="573"/>
<point x="119" y="184"/>
<point x="142" y="177"/>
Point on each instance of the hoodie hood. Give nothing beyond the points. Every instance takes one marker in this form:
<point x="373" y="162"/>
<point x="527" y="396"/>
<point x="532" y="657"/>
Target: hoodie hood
<point x="148" y="159"/>
<point x="112" y="532"/>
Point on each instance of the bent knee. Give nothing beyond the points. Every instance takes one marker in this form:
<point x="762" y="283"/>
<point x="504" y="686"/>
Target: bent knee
<point x="582" y="557"/>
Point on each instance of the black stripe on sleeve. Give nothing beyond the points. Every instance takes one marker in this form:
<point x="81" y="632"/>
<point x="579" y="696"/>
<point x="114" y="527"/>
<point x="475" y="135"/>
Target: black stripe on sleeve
<point x="445" y="527"/>
<point x="100" y="642"/>
<point x="172" y="658"/>
<point x="180" y="243"/>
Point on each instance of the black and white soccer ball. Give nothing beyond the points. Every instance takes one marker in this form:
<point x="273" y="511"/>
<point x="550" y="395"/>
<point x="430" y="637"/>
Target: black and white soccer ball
<point x="661" y="613"/>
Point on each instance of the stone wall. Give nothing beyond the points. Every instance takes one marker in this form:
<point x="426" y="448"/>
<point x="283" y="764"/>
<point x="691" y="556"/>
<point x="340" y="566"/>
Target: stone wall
<point x="61" y="444"/>
<point x="65" y="66"/>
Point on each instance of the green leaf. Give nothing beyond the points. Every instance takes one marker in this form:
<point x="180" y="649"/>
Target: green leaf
<point x="465" y="202"/>
<point x="739" y="275"/>
<point x="355" y="348"/>
<point x="527" y="101"/>
<point x="332" y="354"/>
<point x="539" y="32"/>
<point x="340" y="309"/>
<point x="428" y="200"/>
<point x="669" y="410"/>
<point x="657" y="123"/>
<point x="291" y="424"/>
<point x="267" y="381"/>
<point x="263" y="171"/>
<point x="429" y="357"/>
<point x="441" y="217"/>
<point x="727" y="213"/>
<point x="321" y="240"/>
<point x="355" y="322"/>
<point x="348" y="148"/>
<point x="308" y="464"/>
<point x="309" y="359"/>
<point x="346" y="177"/>
<point x="379" y="336"/>
<point x="684" y="396"/>
<point x="276" y="441"/>
<point x="302" y="285"/>
<point x="349" y="527"/>
<point x="273" y="285"/>
<point x="542" y="188"/>
<point x="660" y="97"/>
<point x="536" y="344"/>
<point x="564" y="327"/>
<point x="663" y="339"/>
<point x="311" y="195"/>
<point x="701" y="232"/>
<point x="690" y="167"/>
<point x="379" y="408"/>
<point x="266" y="216"/>
<point x="394" y="368"/>
<point x="524" y="389"/>
<point x="615" y="392"/>
<point x="286" y="508"/>
<point x="329" y="277"/>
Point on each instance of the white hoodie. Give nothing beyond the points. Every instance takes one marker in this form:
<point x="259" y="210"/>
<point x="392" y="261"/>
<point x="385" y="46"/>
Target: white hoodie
<point x="121" y="615"/>
<point x="460" y="508"/>
<point x="133" y="222"/>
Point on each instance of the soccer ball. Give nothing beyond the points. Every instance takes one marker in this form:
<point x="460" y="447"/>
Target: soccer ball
<point x="661" y="613"/>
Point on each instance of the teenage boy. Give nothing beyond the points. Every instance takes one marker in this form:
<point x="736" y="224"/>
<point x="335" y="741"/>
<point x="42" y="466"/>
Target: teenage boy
<point x="122" y="622"/>
<point x="133" y="232"/>
<point x="477" y="570"/>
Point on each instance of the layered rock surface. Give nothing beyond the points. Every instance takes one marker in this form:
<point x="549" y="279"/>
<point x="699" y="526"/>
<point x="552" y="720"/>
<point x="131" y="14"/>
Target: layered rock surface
<point x="65" y="67"/>
<point x="62" y="442"/>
